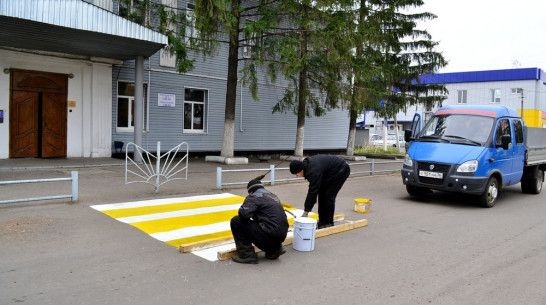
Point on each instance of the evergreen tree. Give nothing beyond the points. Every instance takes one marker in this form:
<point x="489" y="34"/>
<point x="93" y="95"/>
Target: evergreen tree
<point x="407" y="53"/>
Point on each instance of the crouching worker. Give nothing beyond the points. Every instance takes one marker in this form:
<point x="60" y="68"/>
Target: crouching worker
<point x="262" y="222"/>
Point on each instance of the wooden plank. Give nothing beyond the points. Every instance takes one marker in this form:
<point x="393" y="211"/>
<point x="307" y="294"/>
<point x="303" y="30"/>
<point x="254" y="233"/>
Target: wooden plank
<point x="205" y="244"/>
<point x="348" y="225"/>
<point x="218" y="241"/>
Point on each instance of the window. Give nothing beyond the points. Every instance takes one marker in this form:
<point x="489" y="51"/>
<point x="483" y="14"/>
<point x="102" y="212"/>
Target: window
<point x="516" y="90"/>
<point x="166" y="59"/>
<point x="495" y="95"/>
<point x="503" y="128"/>
<point x="191" y="32"/>
<point x="461" y="96"/>
<point x="126" y="107"/>
<point x="195" y="106"/>
<point x="247" y="46"/>
<point x="250" y="42"/>
<point x="134" y="10"/>
<point x="518" y="130"/>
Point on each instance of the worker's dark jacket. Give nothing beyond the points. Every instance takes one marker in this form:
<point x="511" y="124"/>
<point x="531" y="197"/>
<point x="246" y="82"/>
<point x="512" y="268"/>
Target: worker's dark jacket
<point x="320" y="170"/>
<point x="265" y="208"/>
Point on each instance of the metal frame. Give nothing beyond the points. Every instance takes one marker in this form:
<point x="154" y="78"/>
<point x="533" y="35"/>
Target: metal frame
<point x="272" y="181"/>
<point x="73" y="196"/>
<point x="146" y="170"/>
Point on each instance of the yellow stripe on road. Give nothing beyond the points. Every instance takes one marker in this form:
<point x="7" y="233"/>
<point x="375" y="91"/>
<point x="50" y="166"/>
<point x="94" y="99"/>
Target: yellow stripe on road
<point x="175" y="223"/>
<point x="178" y="221"/>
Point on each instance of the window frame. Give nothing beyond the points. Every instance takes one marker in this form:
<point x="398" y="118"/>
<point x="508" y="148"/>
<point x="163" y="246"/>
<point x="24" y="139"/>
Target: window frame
<point x="190" y="31"/>
<point x="462" y="96"/>
<point x="499" y="132"/>
<point x="251" y="43"/>
<point x="496" y="94"/>
<point x="166" y="59"/>
<point x="131" y="100"/>
<point x="518" y="131"/>
<point x="125" y="11"/>
<point x="204" y="116"/>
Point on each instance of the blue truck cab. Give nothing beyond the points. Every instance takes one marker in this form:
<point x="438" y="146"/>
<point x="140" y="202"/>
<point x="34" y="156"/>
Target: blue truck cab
<point x="474" y="150"/>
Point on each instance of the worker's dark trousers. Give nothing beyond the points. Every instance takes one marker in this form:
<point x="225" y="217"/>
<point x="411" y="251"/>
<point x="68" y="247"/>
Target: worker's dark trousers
<point x="327" y="198"/>
<point x="246" y="233"/>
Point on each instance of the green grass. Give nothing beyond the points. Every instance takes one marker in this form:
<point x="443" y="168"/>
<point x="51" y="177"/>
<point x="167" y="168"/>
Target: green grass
<point x="377" y="150"/>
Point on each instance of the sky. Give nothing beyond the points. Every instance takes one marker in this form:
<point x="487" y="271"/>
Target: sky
<point x="476" y="35"/>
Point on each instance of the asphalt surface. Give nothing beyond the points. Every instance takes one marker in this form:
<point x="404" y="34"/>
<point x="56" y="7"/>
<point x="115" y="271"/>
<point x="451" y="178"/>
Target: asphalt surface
<point x="441" y="250"/>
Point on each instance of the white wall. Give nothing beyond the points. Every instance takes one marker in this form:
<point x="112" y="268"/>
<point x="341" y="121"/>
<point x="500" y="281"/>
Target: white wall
<point x="479" y="93"/>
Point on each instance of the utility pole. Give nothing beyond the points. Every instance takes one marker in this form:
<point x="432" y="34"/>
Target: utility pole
<point x="522" y="103"/>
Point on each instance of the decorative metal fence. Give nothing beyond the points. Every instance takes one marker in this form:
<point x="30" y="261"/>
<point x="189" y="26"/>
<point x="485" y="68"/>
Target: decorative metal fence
<point x="151" y="170"/>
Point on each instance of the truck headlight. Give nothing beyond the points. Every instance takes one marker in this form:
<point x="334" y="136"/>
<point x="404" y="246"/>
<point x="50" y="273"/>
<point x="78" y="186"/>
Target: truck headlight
<point x="407" y="160"/>
<point x="468" y="167"/>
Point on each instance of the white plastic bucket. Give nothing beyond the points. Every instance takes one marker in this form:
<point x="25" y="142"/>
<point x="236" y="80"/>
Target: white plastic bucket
<point x="304" y="234"/>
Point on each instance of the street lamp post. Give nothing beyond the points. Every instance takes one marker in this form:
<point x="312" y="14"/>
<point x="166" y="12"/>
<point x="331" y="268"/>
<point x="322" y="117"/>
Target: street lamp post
<point x="521" y="103"/>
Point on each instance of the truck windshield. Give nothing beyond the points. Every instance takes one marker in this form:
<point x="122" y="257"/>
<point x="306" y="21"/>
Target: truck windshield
<point x="458" y="128"/>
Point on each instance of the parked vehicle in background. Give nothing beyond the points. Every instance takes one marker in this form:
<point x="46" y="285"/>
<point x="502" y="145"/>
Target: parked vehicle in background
<point x="391" y="141"/>
<point x="374" y="137"/>
<point x="474" y="150"/>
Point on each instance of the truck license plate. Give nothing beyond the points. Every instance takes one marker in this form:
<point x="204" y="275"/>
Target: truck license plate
<point x="430" y="174"/>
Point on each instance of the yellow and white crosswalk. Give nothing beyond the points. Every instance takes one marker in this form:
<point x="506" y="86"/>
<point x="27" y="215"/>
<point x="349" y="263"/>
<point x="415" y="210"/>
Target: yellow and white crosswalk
<point x="179" y="221"/>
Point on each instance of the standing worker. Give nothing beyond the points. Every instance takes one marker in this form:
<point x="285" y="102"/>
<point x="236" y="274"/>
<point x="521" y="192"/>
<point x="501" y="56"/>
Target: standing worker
<point x="262" y="222"/>
<point x="326" y="175"/>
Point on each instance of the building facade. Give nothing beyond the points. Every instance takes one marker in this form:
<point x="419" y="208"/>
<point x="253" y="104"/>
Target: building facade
<point x="93" y="57"/>
<point x="56" y="59"/>
<point x="522" y="88"/>
<point x="190" y="107"/>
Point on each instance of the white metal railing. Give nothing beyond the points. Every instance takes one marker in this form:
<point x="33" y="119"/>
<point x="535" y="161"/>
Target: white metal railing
<point x="272" y="168"/>
<point x="73" y="196"/>
<point x="151" y="166"/>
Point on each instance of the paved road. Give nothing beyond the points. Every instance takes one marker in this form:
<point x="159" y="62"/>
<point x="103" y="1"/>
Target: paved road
<point x="440" y="250"/>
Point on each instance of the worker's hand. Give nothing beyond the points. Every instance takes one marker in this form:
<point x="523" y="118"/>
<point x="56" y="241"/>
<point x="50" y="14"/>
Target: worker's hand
<point x="305" y="213"/>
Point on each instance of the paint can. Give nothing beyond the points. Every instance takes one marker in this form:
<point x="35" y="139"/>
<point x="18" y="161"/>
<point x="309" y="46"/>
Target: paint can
<point x="362" y="205"/>
<point x="304" y="234"/>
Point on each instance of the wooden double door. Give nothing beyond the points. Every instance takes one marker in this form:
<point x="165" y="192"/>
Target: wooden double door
<point x="38" y="114"/>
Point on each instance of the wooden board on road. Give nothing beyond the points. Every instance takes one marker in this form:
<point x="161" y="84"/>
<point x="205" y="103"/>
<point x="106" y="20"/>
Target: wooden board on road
<point x="346" y="226"/>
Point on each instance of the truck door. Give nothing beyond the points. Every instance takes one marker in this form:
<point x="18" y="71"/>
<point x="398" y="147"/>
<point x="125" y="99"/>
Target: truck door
<point x="504" y="157"/>
<point x="518" y="160"/>
<point x="412" y="133"/>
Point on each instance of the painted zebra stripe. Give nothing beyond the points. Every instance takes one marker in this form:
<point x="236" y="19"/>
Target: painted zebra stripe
<point x="157" y="216"/>
<point x="155" y="202"/>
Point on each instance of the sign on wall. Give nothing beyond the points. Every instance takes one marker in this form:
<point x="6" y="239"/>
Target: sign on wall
<point x="166" y="100"/>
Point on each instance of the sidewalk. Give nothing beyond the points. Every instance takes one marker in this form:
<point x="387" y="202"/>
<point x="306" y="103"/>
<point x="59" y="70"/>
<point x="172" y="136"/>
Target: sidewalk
<point x="102" y="180"/>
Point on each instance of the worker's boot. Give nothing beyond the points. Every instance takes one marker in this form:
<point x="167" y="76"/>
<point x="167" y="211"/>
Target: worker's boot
<point x="322" y="225"/>
<point x="250" y="259"/>
<point x="275" y="254"/>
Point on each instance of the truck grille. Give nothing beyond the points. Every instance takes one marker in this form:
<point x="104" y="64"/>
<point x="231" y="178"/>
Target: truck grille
<point x="440" y="168"/>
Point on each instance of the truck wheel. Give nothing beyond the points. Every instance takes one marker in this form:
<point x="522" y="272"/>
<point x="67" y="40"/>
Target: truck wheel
<point x="536" y="183"/>
<point x="533" y="184"/>
<point x="417" y="191"/>
<point x="489" y="196"/>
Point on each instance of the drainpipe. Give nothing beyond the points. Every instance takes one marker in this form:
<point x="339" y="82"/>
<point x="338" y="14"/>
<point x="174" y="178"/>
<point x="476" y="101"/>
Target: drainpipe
<point x="241" y="107"/>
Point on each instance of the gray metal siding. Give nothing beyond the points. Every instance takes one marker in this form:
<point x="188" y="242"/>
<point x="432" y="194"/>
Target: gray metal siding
<point x="256" y="127"/>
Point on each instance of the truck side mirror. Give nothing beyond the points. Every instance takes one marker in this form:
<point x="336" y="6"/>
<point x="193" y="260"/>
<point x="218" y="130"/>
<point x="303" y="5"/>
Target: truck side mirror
<point x="506" y="141"/>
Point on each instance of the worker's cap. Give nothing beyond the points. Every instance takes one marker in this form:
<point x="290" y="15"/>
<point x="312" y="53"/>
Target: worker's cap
<point x="296" y="166"/>
<point x="253" y="185"/>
